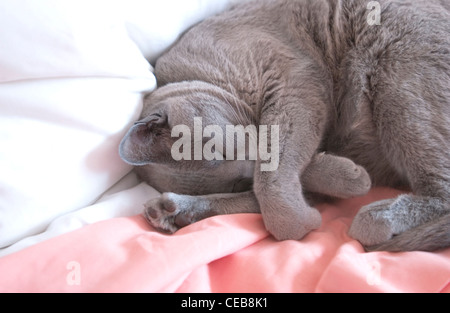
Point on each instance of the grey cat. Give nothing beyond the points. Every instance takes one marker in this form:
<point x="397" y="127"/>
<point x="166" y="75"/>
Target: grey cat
<point x="343" y="90"/>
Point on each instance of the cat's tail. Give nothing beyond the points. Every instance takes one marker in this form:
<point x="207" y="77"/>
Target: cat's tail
<point x="431" y="236"/>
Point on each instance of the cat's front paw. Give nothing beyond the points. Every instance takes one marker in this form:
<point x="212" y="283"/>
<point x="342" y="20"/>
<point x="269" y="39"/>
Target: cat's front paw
<point x="169" y="212"/>
<point x="373" y="224"/>
<point x="356" y="182"/>
<point x="290" y="221"/>
<point x="293" y="226"/>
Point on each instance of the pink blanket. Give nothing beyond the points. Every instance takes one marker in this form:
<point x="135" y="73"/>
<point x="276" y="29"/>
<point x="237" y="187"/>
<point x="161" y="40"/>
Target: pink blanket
<point x="222" y="254"/>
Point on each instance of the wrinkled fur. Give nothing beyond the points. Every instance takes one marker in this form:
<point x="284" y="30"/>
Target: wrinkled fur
<point x="377" y="95"/>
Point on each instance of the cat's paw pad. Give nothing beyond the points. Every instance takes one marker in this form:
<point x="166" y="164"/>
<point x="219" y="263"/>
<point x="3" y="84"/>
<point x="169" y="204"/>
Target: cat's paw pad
<point x="167" y="214"/>
<point x="373" y="224"/>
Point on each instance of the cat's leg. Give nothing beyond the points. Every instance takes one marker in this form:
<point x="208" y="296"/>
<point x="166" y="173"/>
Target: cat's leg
<point x="171" y="212"/>
<point x="335" y="176"/>
<point x="414" y="135"/>
<point x="300" y="112"/>
<point x="326" y="174"/>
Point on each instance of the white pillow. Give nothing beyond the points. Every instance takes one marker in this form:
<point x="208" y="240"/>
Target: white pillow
<point x="54" y="38"/>
<point x="154" y="25"/>
<point x="70" y="86"/>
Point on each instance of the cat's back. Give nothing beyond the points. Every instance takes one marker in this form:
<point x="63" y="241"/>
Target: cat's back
<point x="241" y="50"/>
<point x="405" y="55"/>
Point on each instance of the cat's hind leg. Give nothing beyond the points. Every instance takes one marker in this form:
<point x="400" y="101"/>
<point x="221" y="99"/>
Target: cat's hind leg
<point x="413" y="125"/>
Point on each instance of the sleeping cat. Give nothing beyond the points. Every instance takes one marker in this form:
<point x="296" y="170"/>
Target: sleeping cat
<point x="343" y="90"/>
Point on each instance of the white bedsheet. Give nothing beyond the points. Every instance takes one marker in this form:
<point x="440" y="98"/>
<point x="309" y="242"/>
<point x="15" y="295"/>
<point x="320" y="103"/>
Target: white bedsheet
<point x="124" y="199"/>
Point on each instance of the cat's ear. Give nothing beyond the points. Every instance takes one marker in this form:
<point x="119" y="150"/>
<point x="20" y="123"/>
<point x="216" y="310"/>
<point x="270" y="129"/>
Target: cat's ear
<point x="145" y="142"/>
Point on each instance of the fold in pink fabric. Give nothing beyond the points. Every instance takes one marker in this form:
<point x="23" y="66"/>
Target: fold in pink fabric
<point x="231" y="253"/>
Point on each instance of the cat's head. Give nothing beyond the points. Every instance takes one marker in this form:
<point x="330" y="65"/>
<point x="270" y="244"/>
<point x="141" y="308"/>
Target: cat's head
<point x="179" y="143"/>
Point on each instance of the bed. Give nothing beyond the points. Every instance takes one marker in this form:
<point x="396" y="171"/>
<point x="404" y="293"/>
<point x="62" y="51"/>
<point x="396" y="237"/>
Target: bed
<point x="72" y="77"/>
